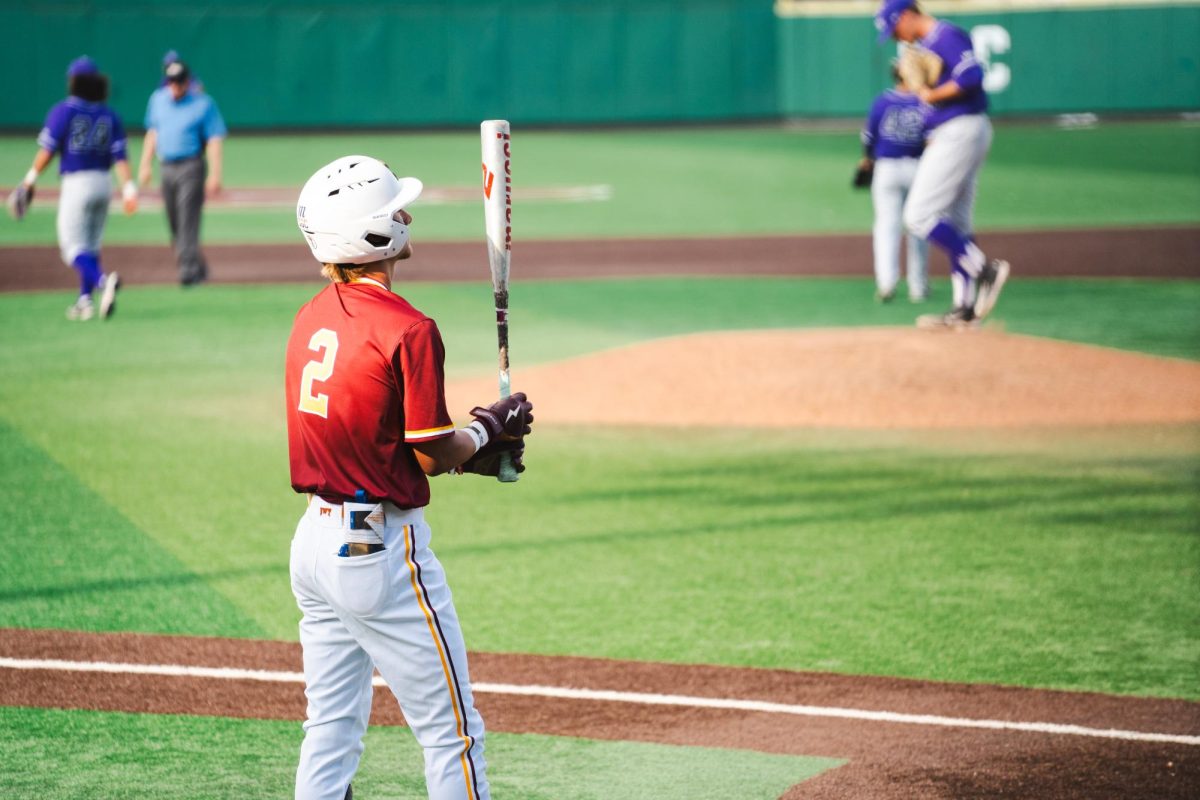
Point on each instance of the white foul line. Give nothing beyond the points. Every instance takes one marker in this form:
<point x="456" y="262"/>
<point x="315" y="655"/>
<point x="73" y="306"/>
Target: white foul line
<point x="229" y="673"/>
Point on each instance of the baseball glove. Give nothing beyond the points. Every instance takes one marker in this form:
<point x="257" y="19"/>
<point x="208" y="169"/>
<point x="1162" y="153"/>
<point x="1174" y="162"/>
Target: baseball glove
<point x="863" y="174"/>
<point x="19" y="200"/>
<point x="918" y="68"/>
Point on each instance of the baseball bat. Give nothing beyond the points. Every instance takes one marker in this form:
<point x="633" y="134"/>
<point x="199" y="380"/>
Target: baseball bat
<point x="496" y="138"/>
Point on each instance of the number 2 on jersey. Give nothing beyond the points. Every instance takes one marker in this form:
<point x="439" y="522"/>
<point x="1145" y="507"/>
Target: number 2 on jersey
<point x="318" y="371"/>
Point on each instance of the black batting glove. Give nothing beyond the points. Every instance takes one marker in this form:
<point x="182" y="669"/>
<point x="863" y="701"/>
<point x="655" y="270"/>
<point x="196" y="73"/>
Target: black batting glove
<point x="506" y="420"/>
<point x="487" y="460"/>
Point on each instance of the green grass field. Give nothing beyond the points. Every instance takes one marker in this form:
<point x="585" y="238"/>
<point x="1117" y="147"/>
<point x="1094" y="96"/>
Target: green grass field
<point x="197" y="758"/>
<point x="148" y="439"/>
<point x="152" y="450"/>
<point x="697" y="182"/>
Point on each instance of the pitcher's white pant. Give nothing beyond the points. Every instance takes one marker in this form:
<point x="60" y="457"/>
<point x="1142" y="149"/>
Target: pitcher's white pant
<point x="390" y="610"/>
<point x="889" y="188"/>
<point x="947" y="176"/>
<point x="82" y="212"/>
<point x="944" y="191"/>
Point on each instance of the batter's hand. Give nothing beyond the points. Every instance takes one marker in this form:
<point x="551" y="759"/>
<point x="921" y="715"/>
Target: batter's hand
<point x="507" y="419"/>
<point x="487" y="460"/>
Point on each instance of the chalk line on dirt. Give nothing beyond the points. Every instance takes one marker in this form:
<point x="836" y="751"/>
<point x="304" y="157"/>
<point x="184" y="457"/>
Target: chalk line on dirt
<point x="643" y="698"/>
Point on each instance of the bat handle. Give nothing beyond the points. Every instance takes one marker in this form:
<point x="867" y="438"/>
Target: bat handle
<point x="507" y="473"/>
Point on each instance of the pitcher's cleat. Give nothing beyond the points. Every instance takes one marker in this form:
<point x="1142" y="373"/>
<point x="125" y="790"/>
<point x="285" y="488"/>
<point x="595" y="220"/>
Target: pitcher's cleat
<point x="954" y="319"/>
<point x="82" y="309"/>
<point x="991" y="281"/>
<point x="108" y="295"/>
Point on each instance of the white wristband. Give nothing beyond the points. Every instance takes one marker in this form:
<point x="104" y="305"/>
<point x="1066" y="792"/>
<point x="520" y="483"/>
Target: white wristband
<point x="30" y="177"/>
<point x="129" y="191"/>
<point x="478" y="434"/>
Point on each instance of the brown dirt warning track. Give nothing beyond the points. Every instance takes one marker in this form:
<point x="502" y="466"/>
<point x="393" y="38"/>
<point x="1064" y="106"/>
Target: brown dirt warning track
<point x="901" y="738"/>
<point x="1167" y="252"/>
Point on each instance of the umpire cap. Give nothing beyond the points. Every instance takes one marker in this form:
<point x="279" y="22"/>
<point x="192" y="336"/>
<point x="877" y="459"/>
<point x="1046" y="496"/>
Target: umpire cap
<point x="177" y="72"/>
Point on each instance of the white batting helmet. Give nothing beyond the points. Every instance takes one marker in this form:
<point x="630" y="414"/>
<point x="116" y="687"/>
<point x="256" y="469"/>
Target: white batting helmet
<point x="348" y="211"/>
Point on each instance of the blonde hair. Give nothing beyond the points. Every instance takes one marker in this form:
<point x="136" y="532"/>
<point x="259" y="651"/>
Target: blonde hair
<point x="348" y="273"/>
<point x="344" y="273"/>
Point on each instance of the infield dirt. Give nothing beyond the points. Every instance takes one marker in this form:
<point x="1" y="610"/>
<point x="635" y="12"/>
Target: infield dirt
<point x="1164" y="252"/>
<point x="886" y="759"/>
<point x="857" y="378"/>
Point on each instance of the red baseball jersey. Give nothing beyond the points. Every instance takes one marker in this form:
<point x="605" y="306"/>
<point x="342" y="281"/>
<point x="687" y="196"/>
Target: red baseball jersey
<point x="365" y="378"/>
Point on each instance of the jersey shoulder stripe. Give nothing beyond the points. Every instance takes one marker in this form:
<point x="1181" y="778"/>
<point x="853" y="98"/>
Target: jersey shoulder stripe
<point x="428" y="433"/>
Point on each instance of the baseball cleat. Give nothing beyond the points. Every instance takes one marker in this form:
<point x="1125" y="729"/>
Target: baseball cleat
<point x="82" y="309"/>
<point x="884" y="297"/>
<point x="108" y="297"/>
<point x="991" y="281"/>
<point x="954" y="319"/>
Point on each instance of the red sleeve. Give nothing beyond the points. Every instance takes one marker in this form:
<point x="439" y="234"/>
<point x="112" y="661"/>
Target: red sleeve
<point x="420" y="365"/>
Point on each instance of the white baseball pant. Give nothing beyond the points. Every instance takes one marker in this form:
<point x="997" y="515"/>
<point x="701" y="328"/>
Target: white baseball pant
<point x="393" y="611"/>
<point x="944" y="191"/>
<point x="947" y="176"/>
<point x="82" y="211"/>
<point x="889" y="188"/>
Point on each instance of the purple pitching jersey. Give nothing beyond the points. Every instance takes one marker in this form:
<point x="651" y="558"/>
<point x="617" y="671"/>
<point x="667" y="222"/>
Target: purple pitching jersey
<point x="895" y="128"/>
<point x="953" y="46"/>
<point x="87" y="136"/>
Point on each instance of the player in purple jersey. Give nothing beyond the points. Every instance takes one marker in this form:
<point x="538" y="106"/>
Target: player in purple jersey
<point x="893" y="139"/>
<point x="941" y="202"/>
<point x="89" y="139"/>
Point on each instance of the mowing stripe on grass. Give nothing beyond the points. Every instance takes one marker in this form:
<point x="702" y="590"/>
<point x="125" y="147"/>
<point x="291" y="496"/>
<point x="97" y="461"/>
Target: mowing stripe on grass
<point x="557" y="692"/>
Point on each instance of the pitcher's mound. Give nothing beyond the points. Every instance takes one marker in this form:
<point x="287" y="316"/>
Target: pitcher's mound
<point x="855" y="378"/>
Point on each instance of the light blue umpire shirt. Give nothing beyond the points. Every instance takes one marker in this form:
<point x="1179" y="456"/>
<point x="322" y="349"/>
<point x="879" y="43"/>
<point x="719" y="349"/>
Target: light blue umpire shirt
<point x="183" y="127"/>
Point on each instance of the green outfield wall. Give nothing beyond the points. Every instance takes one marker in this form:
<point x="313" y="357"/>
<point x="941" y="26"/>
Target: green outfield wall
<point x="406" y="63"/>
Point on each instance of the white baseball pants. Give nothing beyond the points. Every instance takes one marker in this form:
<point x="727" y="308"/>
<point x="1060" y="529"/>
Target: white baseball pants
<point x="948" y="175"/>
<point x="82" y="212"/>
<point x="390" y="610"/>
<point x="889" y="189"/>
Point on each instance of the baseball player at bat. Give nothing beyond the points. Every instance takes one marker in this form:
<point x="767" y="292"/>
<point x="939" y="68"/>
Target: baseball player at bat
<point x="89" y="139"/>
<point x="941" y="202"/>
<point x="367" y="425"/>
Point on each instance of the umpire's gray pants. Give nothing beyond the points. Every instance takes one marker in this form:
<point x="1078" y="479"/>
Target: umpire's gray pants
<point x="183" y="195"/>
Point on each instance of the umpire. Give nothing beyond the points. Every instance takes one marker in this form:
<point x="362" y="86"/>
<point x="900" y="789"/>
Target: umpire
<point x="185" y="130"/>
